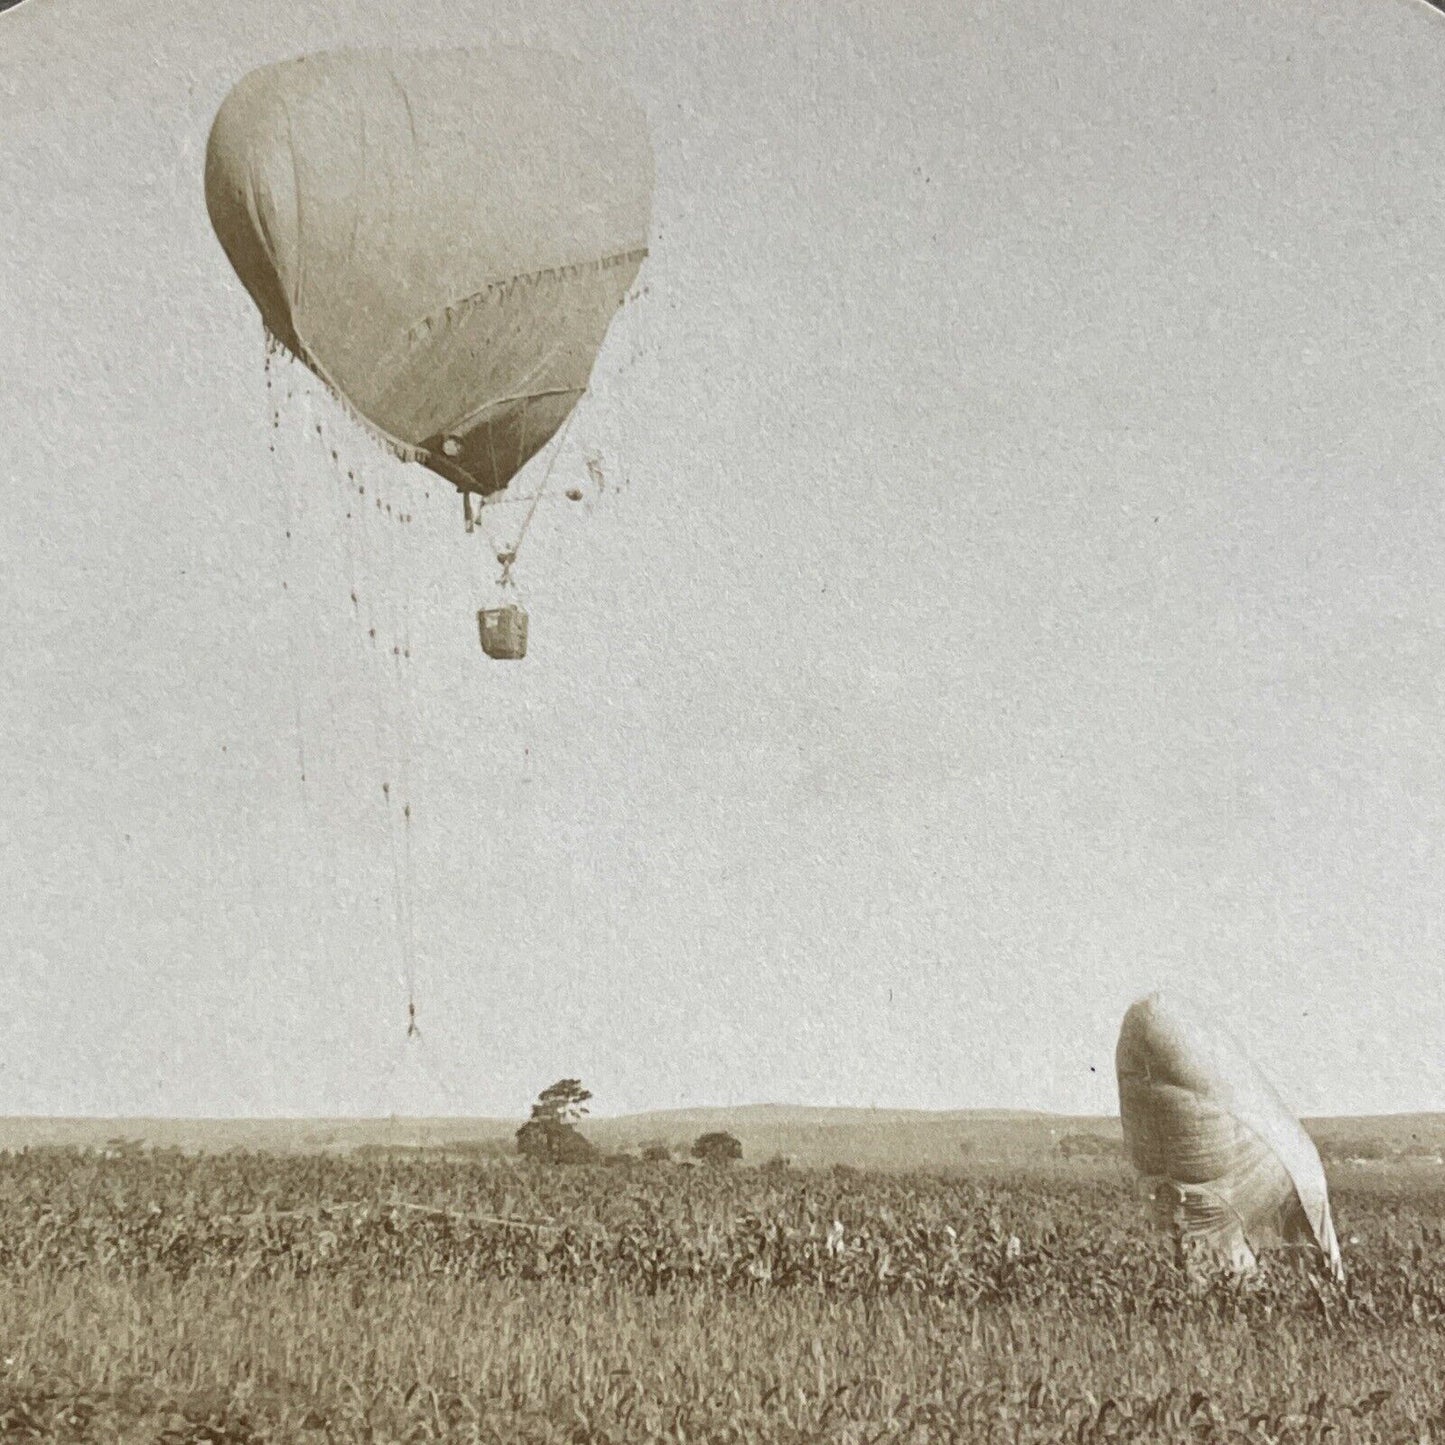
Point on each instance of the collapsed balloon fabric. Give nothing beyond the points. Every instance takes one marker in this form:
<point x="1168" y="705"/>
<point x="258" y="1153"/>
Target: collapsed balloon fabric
<point x="443" y="237"/>
<point x="1229" y="1167"/>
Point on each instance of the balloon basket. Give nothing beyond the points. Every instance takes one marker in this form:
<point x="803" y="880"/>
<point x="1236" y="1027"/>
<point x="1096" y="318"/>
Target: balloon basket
<point x="503" y="632"/>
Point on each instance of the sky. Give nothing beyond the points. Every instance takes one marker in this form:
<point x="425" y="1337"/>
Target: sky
<point x="1015" y="584"/>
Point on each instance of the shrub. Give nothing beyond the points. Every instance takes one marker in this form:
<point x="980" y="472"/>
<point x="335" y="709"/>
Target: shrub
<point x="552" y="1142"/>
<point x="718" y="1147"/>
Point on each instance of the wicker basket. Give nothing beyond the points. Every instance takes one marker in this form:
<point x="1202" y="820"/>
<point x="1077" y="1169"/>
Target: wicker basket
<point x="503" y="631"/>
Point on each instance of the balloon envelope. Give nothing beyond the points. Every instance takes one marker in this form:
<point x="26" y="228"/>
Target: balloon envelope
<point x="1230" y="1168"/>
<point x="443" y="237"/>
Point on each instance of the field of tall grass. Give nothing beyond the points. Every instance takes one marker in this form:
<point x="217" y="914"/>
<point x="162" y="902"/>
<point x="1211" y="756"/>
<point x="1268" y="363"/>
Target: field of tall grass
<point x="253" y="1298"/>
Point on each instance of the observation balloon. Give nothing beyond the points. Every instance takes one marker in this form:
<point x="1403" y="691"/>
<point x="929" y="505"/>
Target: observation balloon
<point x="1229" y="1168"/>
<point x="442" y="237"/>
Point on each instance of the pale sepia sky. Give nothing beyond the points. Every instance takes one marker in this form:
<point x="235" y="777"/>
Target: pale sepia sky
<point x="1018" y="585"/>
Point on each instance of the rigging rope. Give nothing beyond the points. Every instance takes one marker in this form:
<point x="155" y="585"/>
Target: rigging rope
<point x="508" y="557"/>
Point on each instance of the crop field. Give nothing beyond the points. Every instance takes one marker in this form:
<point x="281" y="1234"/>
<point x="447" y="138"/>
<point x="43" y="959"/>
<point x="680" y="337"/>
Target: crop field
<point x="163" y="1297"/>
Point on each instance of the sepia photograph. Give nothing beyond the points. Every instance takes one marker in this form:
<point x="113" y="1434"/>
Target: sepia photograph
<point x="722" y="722"/>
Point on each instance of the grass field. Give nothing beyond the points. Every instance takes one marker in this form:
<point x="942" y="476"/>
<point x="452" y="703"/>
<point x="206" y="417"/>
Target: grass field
<point x="161" y="1297"/>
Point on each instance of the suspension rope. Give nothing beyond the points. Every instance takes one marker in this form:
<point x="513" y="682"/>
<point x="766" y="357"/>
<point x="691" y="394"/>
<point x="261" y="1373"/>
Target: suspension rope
<point x="509" y="557"/>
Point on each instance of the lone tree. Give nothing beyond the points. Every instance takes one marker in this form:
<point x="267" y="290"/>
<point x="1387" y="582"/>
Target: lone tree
<point x="551" y="1133"/>
<point x="717" y="1148"/>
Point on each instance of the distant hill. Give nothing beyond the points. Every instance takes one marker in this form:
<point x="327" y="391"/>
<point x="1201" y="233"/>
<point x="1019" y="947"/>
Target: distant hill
<point x="286" y="1136"/>
<point x="866" y="1138"/>
<point x="1380" y="1136"/>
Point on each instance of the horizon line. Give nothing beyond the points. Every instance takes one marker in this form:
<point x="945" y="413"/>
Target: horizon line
<point x="453" y="1118"/>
